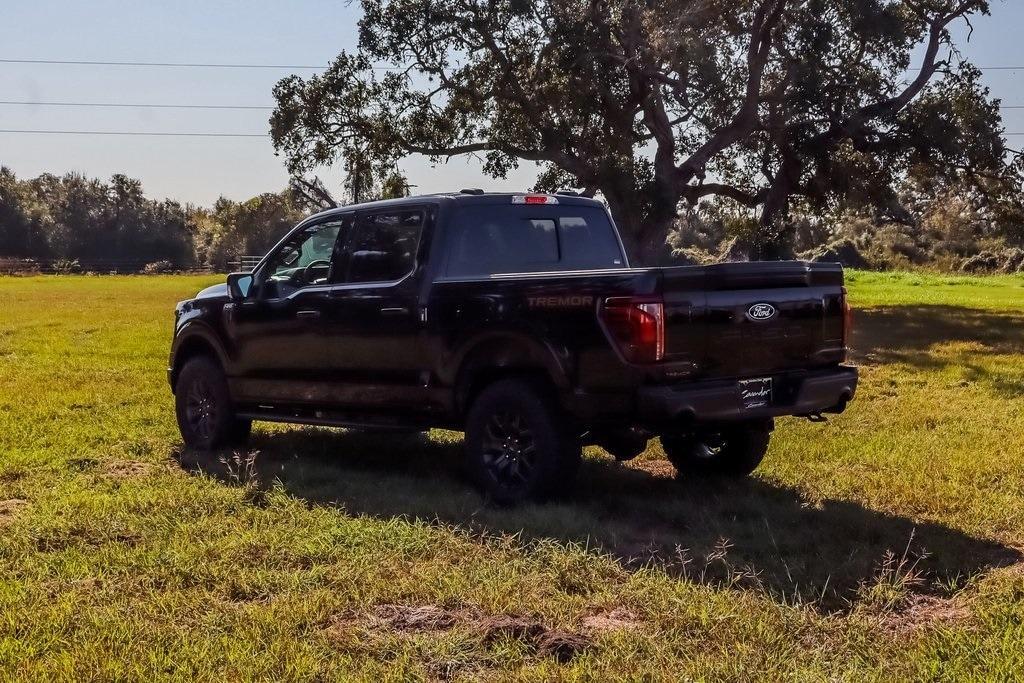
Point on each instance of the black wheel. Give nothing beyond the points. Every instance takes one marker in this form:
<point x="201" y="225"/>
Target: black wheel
<point x="206" y="416"/>
<point x="733" y="451"/>
<point x="518" y="444"/>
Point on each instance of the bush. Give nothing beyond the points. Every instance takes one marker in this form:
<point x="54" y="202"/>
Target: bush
<point x="1005" y="261"/>
<point x="67" y="266"/>
<point x="157" y="267"/>
<point x="842" y="251"/>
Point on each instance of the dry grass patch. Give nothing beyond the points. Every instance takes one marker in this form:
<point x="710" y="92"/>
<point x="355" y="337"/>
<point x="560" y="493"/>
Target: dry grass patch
<point x="490" y="630"/>
<point x="922" y="612"/>
<point x="10" y="508"/>
<point x="128" y="469"/>
<point x="618" y="619"/>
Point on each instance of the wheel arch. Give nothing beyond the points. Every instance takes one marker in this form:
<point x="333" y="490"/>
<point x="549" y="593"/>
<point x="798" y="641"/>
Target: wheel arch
<point x="191" y="342"/>
<point x="499" y="356"/>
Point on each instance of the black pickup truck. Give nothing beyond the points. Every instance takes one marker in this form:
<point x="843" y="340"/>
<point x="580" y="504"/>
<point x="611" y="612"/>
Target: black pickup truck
<point x="517" y="319"/>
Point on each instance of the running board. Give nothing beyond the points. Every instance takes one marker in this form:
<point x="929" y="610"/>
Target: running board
<point x="341" y="421"/>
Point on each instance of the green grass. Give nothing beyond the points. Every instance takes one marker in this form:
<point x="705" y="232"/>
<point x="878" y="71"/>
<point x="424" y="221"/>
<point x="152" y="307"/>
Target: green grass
<point x="883" y="545"/>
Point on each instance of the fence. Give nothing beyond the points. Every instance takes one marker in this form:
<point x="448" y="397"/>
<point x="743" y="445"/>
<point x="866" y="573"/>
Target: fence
<point x="112" y="266"/>
<point x="102" y="266"/>
<point x="246" y="263"/>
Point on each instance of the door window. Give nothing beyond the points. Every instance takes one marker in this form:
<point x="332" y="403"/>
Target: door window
<point x="305" y="259"/>
<point x="382" y="247"/>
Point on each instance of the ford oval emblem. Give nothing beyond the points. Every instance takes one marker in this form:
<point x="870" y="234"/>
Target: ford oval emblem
<point x="761" y="312"/>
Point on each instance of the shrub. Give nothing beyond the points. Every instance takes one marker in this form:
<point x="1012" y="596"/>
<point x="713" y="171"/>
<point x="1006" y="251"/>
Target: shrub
<point x="67" y="266"/>
<point x="157" y="267"/>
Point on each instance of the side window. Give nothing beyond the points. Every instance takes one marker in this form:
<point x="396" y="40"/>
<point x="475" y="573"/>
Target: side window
<point x="499" y="241"/>
<point x="383" y="246"/>
<point x="489" y="239"/>
<point x="305" y="259"/>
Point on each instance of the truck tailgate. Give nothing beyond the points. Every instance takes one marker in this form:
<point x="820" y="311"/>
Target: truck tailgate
<point x="750" y="319"/>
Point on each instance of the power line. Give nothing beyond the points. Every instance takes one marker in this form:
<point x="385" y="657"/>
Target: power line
<point x="19" y="131"/>
<point x="216" y="65"/>
<point x="133" y="133"/>
<point x="187" y="65"/>
<point x="79" y="62"/>
<point x="148" y="105"/>
<point x="134" y="105"/>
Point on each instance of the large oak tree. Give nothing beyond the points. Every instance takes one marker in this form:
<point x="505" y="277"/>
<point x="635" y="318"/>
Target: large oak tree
<point x="654" y="104"/>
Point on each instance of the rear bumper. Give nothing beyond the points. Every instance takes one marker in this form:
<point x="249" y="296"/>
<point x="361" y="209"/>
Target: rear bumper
<point x="806" y="393"/>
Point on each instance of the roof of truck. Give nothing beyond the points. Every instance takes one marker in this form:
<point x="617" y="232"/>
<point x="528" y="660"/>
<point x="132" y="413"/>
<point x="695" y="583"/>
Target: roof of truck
<point x="466" y="197"/>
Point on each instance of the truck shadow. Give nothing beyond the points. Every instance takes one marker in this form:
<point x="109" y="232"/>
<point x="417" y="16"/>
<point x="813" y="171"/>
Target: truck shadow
<point x="748" y="534"/>
<point x="906" y="334"/>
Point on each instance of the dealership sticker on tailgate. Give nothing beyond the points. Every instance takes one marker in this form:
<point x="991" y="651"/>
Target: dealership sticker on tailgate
<point x="756" y="393"/>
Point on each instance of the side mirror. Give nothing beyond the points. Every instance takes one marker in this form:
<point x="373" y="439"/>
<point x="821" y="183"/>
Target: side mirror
<point x="239" y="285"/>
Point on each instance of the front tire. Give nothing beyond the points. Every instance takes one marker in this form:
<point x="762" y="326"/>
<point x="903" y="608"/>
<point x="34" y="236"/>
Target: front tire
<point x="734" y="451"/>
<point x="518" y="444"/>
<point x="203" y="406"/>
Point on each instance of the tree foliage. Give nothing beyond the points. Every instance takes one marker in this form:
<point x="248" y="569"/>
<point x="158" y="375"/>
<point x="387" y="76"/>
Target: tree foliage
<point x="74" y="217"/>
<point x="659" y="104"/>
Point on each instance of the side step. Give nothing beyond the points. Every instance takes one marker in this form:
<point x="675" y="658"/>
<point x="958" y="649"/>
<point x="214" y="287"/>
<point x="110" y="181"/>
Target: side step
<point x="321" y="418"/>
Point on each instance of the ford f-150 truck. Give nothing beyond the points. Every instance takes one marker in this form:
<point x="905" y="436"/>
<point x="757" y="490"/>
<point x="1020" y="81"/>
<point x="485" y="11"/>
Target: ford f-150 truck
<point x="517" y="319"/>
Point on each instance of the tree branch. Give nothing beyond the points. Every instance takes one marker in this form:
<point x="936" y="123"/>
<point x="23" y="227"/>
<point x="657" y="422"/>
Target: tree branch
<point x="746" y="120"/>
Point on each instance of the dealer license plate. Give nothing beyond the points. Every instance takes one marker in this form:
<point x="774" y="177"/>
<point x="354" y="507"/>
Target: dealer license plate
<point x="756" y="393"/>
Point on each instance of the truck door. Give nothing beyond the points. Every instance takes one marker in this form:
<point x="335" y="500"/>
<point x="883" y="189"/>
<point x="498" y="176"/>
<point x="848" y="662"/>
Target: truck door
<point x="374" y="323"/>
<point x="277" y="333"/>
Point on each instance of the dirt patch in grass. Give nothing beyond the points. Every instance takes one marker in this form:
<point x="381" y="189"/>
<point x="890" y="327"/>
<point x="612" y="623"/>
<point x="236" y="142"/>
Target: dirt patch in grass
<point x="560" y="644"/>
<point x="413" y="618"/>
<point x="618" y="619"/>
<point x="127" y="469"/>
<point x="925" y="611"/>
<point x="10" y="508"/>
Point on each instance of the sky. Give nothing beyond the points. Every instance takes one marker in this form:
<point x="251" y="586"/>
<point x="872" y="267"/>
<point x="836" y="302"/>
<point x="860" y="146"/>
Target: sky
<point x="298" y="32"/>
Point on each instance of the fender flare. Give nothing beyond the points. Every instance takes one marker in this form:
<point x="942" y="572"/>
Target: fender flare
<point x="498" y="350"/>
<point x="190" y="334"/>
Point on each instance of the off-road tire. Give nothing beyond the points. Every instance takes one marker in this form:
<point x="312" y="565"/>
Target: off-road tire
<point x="519" y="445"/>
<point x="203" y="406"/>
<point x="733" y="452"/>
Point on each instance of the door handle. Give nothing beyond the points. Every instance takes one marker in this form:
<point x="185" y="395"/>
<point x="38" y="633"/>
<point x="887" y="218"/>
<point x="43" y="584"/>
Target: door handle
<point x="398" y="310"/>
<point x="307" y="315"/>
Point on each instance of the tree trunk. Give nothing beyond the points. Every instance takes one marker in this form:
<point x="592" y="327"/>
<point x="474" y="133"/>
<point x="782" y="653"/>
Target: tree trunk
<point x="774" y="239"/>
<point x="643" y="236"/>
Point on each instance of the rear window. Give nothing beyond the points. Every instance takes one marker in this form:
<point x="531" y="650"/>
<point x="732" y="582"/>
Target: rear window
<point x="490" y="238"/>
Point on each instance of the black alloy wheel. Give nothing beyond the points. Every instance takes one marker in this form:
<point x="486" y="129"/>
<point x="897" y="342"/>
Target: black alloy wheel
<point x="203" y="407"/>
<point x="509" y="449"/>
<point x="519" y="444"/>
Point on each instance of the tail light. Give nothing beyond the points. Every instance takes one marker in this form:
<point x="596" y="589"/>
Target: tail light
<point x="847" y="323"/>
<point x="636" y="327"/>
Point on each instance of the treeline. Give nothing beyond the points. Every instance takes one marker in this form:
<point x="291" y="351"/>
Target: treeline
<point x="936" y="226"/>
<point x="72" y="218"/>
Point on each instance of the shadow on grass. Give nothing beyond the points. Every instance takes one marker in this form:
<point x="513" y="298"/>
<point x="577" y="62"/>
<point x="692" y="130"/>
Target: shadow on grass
<point x="909" y="334"/>
<point x="906" y="334"/>
<point x="749" y="534"/>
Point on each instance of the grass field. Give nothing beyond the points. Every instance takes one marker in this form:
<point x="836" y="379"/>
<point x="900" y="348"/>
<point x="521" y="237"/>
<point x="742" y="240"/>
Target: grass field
<point x="887" y="544"/>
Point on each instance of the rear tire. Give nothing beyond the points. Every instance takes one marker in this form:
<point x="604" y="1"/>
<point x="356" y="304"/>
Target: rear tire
<point x="203" y="406"/>
<point x="518" y="443"/>
<point x="734" y="451"/>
